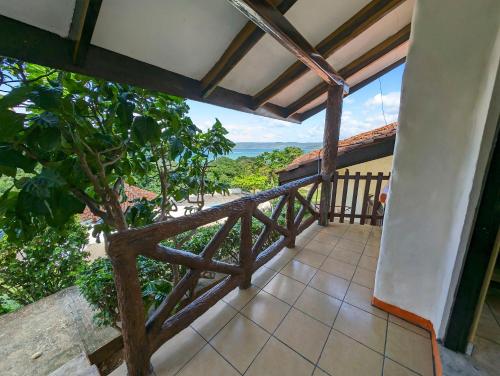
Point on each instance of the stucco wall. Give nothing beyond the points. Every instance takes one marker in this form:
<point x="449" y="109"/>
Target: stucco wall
<point x="441" y="150"/>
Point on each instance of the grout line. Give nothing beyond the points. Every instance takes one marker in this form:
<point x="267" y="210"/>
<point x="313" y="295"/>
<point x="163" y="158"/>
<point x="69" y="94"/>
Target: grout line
<point x="239" y="311"/>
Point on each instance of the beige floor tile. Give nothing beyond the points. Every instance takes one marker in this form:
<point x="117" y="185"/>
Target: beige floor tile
<point x="276" y="359"/>
<point x="330" y="284"/>
<point x="262" y="276"/>
<point x="362" y="326"/>
<point x="310" y="232"/>
<point x="319" y="247"/>
<point x="240" y="341"/>
<point x="488" y="326"/>
<point x="493" y="301"/>
<point x="208" y="363"/>
<point x="338" y="268"/>
<point x="350" y="245"/>
<point x="336" y="229"/>
<point x="303" y="334"/>
<point x="355" y="236"/>
<point x="371" y="250"/>
<point x="238" y="298"/>
<point x="486" y="355"/>
<point x="409" y="326"/>
<point x="176" y="352"/>
<point x="285" y="288"/>
<point x="364" y="277"/>
<point x="301" y="241"/>
<point x="318" y="305"/>
<point x="409" y="349"/>
<point x="344" y="356"/>
<point x="361" y="297"/>
<point x="368" y="262"/>
<point x="326" y="237"/>
<point x="345" y="256"/>
<point x="373" y="242"/>
<point x="299" y="271"/>
<point x="214" y="319"/>
<point x="266" y="310"/>
<point x="310" y="258"/>
<point x="391" y="368"/>
<point x="281" y="259"/>
<point x="319" y="372"/>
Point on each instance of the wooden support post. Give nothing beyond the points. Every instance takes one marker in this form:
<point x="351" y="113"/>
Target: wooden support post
<point x="246" y="257"/>
<point x="132" y="313"/>
<point x="330" y="146"/>
<point x="290" y="218"/>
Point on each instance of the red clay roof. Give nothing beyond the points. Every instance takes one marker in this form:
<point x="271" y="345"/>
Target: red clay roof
<point x="131" y="191"/>
<point x="347" y="144"/>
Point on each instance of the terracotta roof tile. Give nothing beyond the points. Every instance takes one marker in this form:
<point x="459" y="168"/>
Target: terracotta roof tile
<point x="347" y="144"/>
<point x="131" y="191"/>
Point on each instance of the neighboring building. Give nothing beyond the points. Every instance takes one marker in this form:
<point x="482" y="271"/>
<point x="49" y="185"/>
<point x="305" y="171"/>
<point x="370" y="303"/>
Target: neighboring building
<point x="365" y="152"/>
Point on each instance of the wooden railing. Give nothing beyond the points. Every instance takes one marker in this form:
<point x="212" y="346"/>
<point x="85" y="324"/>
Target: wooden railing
<point x="369" y="212"/>
<point x="144" y="333"/>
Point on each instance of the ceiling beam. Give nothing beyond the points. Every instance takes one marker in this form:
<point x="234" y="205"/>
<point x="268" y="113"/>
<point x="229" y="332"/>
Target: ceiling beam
<point x="313" y="111"/>
<point x="354" y="66"/>
<point x="269" y="19"/>
<point x="248" y="37"/>
<point x="34" y="45"/>
<point x="357" y="24"/>
<point x="84" y="21"/>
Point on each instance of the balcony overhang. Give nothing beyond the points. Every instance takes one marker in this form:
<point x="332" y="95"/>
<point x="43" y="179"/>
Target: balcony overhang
<point x="210" y="52"/>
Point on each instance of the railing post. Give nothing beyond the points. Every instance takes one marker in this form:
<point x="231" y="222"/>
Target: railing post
<point x="290" y="218"/>
<point x="330" y="145"/>
<point x="132" y="314"/>
<point x="246" y="257"/>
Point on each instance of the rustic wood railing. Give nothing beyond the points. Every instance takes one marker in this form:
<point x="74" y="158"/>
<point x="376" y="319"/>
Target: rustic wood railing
<point x="370" y="206"/>
<point x="143" y="334"/>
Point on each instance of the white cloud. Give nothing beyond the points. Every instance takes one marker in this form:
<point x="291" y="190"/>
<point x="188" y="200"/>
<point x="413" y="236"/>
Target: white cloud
<point x="390" y="100"/>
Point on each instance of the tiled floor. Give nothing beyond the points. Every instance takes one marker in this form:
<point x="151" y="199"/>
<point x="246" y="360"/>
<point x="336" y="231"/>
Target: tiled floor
<point x="486" y="352"/>
<point x="307" y="313"/>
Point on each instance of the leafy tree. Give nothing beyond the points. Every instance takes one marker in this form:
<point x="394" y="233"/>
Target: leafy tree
<point x="80" y="139"/>
<point x="251" y="182"/>
<point x="269" y="162"/>
<point x="42" y="266"/>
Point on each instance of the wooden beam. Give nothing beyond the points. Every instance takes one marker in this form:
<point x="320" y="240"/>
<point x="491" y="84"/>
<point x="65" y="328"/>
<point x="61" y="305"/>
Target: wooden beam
<point x="313" y="111"/>
<point x="38" y="46"/>
<point x="248" y="37"/>
<point x="88" y="14"/>
<point x="269" y="19"/>
<point x="354" y="66"/>
<point x="330" y="149"/>
<point x="353" y="27"/>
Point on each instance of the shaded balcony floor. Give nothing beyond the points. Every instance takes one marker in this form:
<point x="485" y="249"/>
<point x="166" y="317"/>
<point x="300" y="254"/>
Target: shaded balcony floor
<point x="308" y="312"/>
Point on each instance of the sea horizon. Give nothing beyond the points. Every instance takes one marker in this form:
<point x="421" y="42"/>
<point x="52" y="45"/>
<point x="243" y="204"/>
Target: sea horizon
<point x="253" y="149"/>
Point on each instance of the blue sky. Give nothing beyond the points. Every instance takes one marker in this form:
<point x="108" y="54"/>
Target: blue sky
<point x="362" y="111"/>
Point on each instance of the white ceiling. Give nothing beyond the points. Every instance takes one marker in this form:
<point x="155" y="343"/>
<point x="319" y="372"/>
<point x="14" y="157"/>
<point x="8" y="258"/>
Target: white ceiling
<point x="183" y="36"/>
<point x="51" y="15"/>
<point x="189" y="36"/>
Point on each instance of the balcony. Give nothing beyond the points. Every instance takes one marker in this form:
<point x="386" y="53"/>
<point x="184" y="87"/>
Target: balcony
<point x="307" y="312"/>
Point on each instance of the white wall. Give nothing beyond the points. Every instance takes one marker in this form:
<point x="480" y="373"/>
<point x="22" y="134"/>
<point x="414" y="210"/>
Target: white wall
<point x="444" y="138"/>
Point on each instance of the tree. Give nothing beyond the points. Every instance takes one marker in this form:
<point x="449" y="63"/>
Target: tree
<point x="80" y="139"/>
<point x="251" y="182"/>
<point x="42" y="266"/>
<point x="271" y="161"/>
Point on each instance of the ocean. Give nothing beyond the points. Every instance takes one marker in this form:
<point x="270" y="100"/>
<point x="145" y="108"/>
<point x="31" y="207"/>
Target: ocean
<point x="252" y="149"/>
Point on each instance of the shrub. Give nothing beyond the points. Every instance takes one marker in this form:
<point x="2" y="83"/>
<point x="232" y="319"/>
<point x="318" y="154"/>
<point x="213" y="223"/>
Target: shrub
<point x="42" y="266"/>
<point x="97" y="285"/>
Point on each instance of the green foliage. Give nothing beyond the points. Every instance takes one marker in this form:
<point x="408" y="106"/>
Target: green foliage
<point x="31" y="270"/>
<point x="97" y="285"/>
<point x="252" y="182"/>
<point x="269" y="163"/>
<point x="80" y="139"/>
